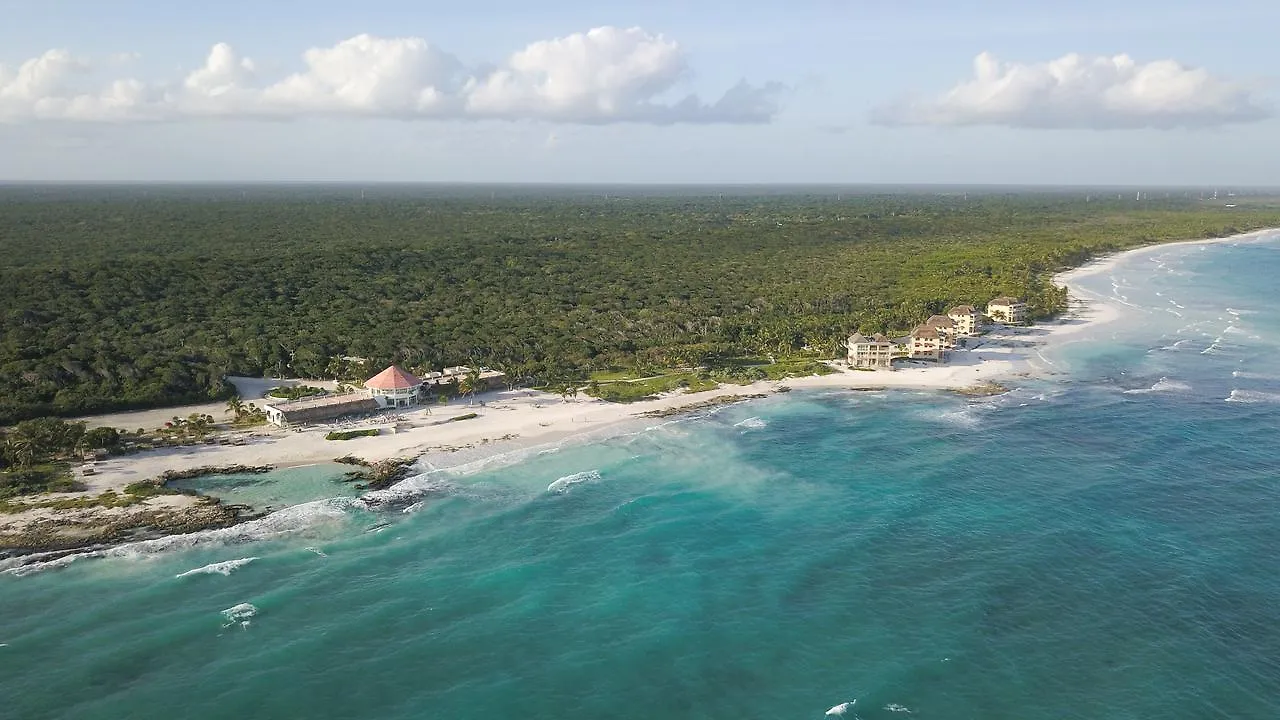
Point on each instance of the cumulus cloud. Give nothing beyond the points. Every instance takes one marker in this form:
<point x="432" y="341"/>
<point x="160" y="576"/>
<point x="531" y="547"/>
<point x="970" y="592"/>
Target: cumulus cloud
<point x="605" y="75"/>
<point x="1076" y="91"/>
<point x="58" y="85"/>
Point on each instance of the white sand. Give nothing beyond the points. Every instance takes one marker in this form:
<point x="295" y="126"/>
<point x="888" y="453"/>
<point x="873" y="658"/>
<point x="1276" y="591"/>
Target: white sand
<point x="524" y="418"/>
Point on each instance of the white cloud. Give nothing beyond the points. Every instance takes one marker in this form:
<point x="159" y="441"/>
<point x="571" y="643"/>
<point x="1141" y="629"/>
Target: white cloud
<point x="604" y="75"/>
<point x="368" y="75"/>
<point x="58" y="86"/>
<point x="224" y="72"/>
<point x="591" y="76"/>
<point x="1075" y="91"/>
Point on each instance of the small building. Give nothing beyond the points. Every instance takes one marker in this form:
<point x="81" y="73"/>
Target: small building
<point x="320" y="408"/>
<point x="394" y="388"/>
<point x="1008" y="310"/>
<point x="966" y="320"/>
<point x="946" y="328"/>
<point x="926" y="344"/>
<point x="875" y="352"/>
<point x="487" y="379"/>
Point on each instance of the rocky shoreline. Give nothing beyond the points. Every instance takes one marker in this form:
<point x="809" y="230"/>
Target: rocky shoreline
<point x="148" y="510"/>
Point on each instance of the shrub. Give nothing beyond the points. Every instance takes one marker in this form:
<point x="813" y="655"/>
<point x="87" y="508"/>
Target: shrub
<point x="350" y="434"/>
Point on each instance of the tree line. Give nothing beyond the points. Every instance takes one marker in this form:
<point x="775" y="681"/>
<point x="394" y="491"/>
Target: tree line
<point x="114" y="300"/>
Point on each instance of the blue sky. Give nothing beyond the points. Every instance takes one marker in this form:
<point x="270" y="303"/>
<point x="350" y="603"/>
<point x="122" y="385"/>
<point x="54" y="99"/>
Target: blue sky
<point x="804" y="91"/>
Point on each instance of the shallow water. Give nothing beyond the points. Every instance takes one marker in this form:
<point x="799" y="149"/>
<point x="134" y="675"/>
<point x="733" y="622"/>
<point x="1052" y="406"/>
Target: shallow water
<point x="1096" y="545"/>
<point x="276" y="489"/>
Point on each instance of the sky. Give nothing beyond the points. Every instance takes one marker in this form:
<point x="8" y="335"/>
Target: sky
<point x="804" y="91"/>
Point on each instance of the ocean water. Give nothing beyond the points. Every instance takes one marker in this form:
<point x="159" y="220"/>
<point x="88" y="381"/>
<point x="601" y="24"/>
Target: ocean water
<point x="278" y="489"/>
<point x="1099" y="543"/>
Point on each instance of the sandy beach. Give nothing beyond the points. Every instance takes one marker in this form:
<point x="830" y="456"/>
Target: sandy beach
<point x="521" y="418"/>
<point x="509" y="421"/>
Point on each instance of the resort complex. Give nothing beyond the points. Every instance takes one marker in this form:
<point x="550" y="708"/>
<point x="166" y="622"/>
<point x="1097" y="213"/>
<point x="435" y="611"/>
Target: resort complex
<point x="933" y="339"/>
<point x="391" y="388"/>
<point x="1010" y="311"/>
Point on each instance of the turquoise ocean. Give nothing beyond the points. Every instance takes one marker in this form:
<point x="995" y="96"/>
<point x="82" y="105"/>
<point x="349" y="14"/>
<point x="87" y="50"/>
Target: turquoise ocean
<point x="1101" y="542"/>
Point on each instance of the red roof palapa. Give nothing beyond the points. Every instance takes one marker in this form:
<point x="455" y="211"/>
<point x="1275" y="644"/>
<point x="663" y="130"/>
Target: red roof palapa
<point x="393" y="378"/>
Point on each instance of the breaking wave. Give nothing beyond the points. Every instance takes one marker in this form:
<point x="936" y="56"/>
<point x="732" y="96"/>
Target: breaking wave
<point x="219" y="568"/>
<point x="281" y="522"/>
<point x="563" y="484"/>
<point x="752" y="423"/>
<point x="239" y="614"/>
<point x="841" y="709"/>
<point x="1252" y="396"/>
<point x="1244" y="374"/>
<point x="1164" y="384"/>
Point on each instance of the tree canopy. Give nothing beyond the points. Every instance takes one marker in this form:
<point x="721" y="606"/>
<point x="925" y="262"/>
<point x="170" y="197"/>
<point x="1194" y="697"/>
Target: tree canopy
<point x="120" y="298"/>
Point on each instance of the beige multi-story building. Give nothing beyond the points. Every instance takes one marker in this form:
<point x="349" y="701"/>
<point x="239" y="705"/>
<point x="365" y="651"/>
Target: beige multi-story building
<point x="966" y="320"/>
<point x="1008" y="310"/>
<point x="946" y="328"/>
<point x="926" y="344"/>
<point x="875" y="352"/>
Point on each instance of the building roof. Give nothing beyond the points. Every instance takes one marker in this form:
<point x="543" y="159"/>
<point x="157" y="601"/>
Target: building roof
<point x="1005" y="300"/>
<point x="962" y="310"/>
<point x="940" y="321"/>
<point x="925" y="331"/>
<point x="324" y="407"/>
<point x="860" y="339"/>
<point x="393" y="378"/>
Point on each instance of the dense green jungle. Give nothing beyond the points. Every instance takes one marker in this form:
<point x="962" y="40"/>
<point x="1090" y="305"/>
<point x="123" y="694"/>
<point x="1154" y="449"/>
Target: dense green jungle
<point x="118" y="297"/>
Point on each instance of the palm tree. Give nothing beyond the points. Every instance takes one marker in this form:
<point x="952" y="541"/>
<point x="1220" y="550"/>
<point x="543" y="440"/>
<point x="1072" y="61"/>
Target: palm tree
<point x="235" y="406"/>
<point x="21" y="449"/>
<point x="467" y="386"/>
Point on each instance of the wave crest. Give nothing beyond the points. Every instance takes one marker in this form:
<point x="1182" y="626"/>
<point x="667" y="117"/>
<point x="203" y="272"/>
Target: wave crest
<point x="1252" y="396"/>
<point x="841" y="709"/>
<point x="219" y="568"/>
<point x="1164" y="384"/>
<point x="562" y="485"/>
<point x="239" y="614"/>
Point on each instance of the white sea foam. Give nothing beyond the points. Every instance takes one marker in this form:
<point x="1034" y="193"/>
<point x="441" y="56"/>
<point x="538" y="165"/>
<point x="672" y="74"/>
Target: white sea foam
<point x="219" y="568"/>
<point x="895" y="707"/>
<point x="842" y="708"/>
<point x="1253" y="375"/>
<point x="239" y="614"/>
<point x="563" y="484"/>
<point x="1253" y="396"/>
<point x="963" y="418"/>
<point x="32" y="568"/>
<point x="752" y="423"/>
<point x="282" y="522"/>
<point x="409" y="491"/>
<point x="317" y="551"/>
<point x="1164" y="384"/>
<point x="413" y="508"/>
